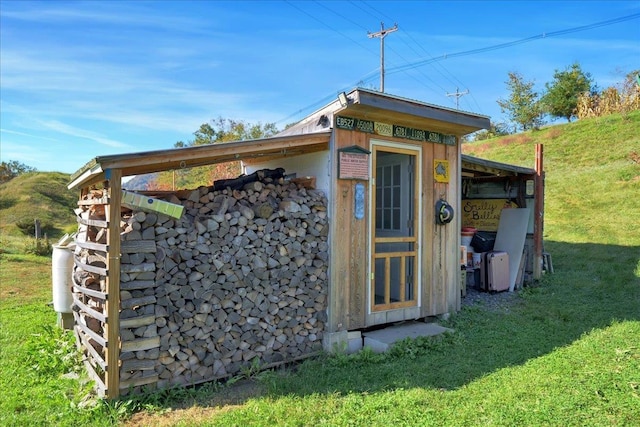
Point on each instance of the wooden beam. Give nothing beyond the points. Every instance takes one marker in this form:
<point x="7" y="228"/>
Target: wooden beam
<point x="538" y="219"/>
<point x="112" y="376"/>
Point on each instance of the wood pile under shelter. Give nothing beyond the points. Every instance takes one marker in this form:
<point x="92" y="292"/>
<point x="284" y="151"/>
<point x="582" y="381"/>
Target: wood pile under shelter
<point x="343" y="230"/>
<point x="239" y="278"/>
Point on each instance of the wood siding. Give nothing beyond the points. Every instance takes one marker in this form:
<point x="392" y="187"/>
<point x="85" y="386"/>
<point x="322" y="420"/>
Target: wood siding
<point x="350" y="275"/>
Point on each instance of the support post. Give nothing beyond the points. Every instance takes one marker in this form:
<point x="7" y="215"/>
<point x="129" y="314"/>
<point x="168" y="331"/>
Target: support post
<point x="112" y="376"/>
<point x="538" y="221"/>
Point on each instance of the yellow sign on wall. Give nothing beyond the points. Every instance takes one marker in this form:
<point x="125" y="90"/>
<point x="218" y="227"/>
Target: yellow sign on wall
<point x="484" y="214"/>
<point x="441" y="170"/>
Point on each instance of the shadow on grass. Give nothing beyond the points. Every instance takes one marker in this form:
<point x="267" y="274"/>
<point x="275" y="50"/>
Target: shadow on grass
<point x="592" y="287"/>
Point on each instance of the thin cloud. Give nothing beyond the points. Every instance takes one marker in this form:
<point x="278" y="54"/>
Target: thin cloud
<point x="63" y="128"/>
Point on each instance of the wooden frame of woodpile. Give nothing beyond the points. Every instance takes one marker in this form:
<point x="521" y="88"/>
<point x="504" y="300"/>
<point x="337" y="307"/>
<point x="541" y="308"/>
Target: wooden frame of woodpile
<point x="239" y="279"/>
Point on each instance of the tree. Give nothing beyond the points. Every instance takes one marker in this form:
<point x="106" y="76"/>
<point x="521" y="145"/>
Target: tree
<point x="13" y="168"/>
<point x="523" y="105"/>
<point x="495" y="130"/>
<point x="217" y="131"/>
<point x="561" y="98"/>
<point x="226" y="130"/>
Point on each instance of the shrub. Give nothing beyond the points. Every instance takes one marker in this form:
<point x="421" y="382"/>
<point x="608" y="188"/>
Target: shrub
<point x="35" y="246"/>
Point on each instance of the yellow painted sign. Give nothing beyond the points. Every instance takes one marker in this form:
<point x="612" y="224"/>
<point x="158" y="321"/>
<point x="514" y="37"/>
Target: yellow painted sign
<point x="441" y="170"/>
<point x="484" y="214"/>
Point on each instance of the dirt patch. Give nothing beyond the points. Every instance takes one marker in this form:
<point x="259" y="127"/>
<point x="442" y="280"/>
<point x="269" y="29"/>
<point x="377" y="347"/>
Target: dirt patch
<point x="226" y="399"/>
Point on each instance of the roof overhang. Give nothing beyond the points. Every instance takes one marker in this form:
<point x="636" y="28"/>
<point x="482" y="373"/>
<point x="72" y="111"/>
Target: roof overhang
<point x="474" y="167"/>
<point x="386" y="108"/>
<point x="201" y="155"/>
<point x="377" y="106"/>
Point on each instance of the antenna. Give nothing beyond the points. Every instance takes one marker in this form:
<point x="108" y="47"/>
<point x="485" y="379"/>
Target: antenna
<point x="381" y="35"/>
<point x="458" y="94"/>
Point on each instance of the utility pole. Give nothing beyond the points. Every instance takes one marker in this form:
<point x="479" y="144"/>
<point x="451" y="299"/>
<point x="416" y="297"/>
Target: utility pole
<point x="458" y="94"/>
<point x="381" y="35"/>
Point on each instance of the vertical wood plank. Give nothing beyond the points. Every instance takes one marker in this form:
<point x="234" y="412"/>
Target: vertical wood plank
<point x="112" y="376"/>
<point x="439" y="282"/>
<point x="538" y="218"/>
<point x="428" y="232"/>
<point x="349" y="278"/>
<point x="453" y="239"/>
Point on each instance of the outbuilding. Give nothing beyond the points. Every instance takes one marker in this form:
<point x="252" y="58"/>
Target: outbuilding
<point x="351" y="220"/>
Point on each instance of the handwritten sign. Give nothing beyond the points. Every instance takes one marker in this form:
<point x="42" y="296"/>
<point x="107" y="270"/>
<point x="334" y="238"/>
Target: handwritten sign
<point x="484" y="214"/>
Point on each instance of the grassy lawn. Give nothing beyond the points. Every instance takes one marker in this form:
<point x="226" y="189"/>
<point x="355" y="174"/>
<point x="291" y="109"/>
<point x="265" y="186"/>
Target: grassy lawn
<point x="565" y="352"/>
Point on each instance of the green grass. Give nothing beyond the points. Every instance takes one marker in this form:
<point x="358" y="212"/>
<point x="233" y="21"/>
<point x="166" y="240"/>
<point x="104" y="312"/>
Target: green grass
<point x="37" y="195"/>
<point x="567" y="352"/>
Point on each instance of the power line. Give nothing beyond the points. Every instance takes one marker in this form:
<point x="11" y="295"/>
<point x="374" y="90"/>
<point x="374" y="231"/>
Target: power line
<point x="370" y="75"/>
<point x="514" y="43"/>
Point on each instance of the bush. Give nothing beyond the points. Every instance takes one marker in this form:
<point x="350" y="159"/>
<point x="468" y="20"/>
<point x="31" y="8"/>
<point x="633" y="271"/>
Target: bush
<point x="35" y="246"/>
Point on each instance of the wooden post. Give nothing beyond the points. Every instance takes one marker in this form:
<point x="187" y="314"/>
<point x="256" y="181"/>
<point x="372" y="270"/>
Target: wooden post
<point x="38" y="230"/>
<point x="538" y="221"/>
<point x="112" y="375"/>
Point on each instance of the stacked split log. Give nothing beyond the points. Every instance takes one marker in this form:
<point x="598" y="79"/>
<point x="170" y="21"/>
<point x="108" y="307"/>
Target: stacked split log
<point x="240" y="279"/>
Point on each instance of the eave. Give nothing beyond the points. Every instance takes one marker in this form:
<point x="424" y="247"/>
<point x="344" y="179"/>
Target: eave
<point x="201" y="155"/>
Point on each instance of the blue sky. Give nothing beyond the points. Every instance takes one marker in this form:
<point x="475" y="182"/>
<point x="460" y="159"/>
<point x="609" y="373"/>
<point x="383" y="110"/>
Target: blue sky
<point x="84" y="79"/>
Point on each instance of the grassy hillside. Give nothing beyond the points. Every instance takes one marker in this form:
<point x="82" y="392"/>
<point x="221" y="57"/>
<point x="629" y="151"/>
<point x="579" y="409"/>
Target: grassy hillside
<point x="592" y="172"/>
<point x="37" y="195"/>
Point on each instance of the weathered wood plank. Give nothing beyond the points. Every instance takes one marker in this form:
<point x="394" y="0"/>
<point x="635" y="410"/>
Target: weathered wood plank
<point x="112" y="211"/>
<point x="138" y="268"/>
<point x="125" y="384"/>
<point x="135" y="322"/>
<point x="104" y="200"/>
<point x="84" y="343"/>
<point x="90" y="311"/>
<point x="90" y="292"/>
<point x="100" y="340"/>
<point x="141" y="344"/>
<point x="138" y="246"/>
<point x="137" y="364"/>
<point x="101" y="388"/>
<point x="93" y="222"/>
<point x="136" y="302"/>
<point x="90" y="268"/>
<point x="93" y="246"/>
<point x="137" y="284"/>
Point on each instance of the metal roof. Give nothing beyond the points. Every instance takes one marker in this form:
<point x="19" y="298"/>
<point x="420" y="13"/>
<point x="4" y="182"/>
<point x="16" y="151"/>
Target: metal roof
<point x="484" y="167"/>
<point x="200" y="155"/>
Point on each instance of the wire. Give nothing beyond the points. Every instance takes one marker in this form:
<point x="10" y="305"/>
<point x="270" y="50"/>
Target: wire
<point x="513" y="43"/>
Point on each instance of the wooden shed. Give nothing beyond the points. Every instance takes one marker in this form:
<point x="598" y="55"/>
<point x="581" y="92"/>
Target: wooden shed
<point x="163" y="297"/>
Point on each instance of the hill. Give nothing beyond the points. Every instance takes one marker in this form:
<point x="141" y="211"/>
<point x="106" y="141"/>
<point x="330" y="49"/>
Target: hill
<point x="37" y="195"/>
<point x="592" y="175"/>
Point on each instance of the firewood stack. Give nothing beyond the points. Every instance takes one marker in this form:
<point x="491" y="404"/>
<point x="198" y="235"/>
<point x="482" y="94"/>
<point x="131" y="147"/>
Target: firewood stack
<point x="240" y="279"/>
